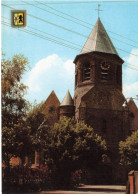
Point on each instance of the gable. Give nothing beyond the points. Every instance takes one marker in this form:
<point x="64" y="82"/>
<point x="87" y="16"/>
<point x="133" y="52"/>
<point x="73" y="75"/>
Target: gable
<point x="51" y="107"/>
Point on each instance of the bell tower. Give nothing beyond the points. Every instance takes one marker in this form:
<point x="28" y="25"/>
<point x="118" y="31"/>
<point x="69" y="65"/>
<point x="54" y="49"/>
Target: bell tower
<point x="98" y="70"/>
<point x="98" y="95"/>
<point x="98" y="63"/>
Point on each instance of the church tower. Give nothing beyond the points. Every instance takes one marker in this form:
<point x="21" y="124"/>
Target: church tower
<point x="98" y="89"/>
<point x="67" y="106"/>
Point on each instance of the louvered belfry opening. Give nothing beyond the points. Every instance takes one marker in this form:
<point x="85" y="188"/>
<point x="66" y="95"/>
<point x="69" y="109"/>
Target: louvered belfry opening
<point x="86" y="72"/>
<point x="104" y="74"/>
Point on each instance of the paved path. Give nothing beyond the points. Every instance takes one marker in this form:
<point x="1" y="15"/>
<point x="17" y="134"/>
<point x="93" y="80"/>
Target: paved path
<point x="90" y="189"/>
<point x="81" y="192"/>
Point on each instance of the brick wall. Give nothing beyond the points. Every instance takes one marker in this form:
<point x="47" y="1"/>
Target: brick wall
<point x="51" y="108"/>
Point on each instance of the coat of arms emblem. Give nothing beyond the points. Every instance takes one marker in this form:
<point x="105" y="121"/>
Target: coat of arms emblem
<point x="18" y="18"/>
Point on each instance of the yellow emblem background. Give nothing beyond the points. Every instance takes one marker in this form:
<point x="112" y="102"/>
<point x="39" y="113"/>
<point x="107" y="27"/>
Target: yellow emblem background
<point x="16" y="22"/>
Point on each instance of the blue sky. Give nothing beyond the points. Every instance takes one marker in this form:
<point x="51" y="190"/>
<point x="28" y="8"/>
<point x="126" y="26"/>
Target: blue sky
<point x="51" y="64"/>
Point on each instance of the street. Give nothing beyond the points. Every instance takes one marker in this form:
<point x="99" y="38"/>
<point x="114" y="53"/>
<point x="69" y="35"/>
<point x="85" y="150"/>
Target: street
<point x="90" y="189"/>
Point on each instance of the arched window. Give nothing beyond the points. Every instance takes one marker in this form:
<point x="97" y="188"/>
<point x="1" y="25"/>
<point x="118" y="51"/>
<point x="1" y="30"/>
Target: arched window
<point x="86" y="72"/>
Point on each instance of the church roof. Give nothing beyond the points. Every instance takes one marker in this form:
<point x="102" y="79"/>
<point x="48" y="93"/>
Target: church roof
<point x="51" y="101"/>
<point x="67" y="101"/>
<point x="132" y="105"/>
<point x="52" y="97"/>
<point x="99" y="41"/>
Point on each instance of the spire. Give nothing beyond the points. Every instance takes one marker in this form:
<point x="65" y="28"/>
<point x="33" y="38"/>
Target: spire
<point x="67" y="101"/>
<point x="99" y="41"/>
<point x="99" y="10"/>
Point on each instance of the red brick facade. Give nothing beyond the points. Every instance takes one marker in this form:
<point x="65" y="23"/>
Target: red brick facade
<point x="133" y="115"/>
<point x="68" y="111"/>
<point x="51" y="108"/>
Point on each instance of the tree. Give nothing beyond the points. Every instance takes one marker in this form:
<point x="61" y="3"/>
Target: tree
<point x="129" y="151"/>
<point x="35" y="117"/>
<point x="14" y="107"/>
<point x="73" y="146"/>
<point x="13" y="103"/>
<point x="7" y="145"/>
<point x="41" y="140"/>
<point x="22" y="144"/>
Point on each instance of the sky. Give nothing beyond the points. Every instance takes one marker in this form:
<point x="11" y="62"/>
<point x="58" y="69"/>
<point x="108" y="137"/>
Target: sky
<point x="59" y="35"/>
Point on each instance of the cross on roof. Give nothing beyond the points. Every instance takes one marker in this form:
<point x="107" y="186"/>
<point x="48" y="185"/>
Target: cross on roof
<point x="99" y="9"/>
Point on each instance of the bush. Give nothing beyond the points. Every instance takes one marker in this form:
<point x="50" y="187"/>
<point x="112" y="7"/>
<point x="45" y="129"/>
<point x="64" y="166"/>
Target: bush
<point x="129" y="151"/>
<point x="77" y="177"/>
<point x="24" y="179"/>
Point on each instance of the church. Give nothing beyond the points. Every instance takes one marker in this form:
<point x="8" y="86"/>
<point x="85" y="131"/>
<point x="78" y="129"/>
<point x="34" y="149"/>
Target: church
<point x="98" y="99"/>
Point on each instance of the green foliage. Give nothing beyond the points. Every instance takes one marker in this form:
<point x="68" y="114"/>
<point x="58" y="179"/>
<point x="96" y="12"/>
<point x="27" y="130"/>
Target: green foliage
<point x="39" y="128"/>
<point x="15" y="132"/>
<point x="16" y="141"/>
<point x="75" y="144"/>
<point x="13" y="103"/>
<point x="35" y="118"/>
<point x="129" y="151"/>
<point x="41" y="137"/>
<point x="72" y="146"/>
<point x="62" y="138"/>
<point x="22" y="139"/>
<point x="7" y="144"/>
<point x="88" y="146"/>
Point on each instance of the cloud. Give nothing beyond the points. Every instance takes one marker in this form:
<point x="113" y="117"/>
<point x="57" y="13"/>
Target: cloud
<point x="132" y="59"/>
<point x="131" y="90"/>
<point x="69" y="66"/>
<point x="50" y="73"/>
<point x="130" y="77"/>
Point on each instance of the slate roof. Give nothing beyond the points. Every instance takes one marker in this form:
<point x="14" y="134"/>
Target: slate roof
<point x="99" y="41"/>
<point x="67" y="101"/>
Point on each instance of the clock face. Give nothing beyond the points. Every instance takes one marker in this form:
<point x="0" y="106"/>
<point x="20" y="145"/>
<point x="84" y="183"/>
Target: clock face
<point x="105" y="65"/>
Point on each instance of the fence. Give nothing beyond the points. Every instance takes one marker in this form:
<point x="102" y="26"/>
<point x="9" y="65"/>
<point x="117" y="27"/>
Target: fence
<point x="25" y="178"/>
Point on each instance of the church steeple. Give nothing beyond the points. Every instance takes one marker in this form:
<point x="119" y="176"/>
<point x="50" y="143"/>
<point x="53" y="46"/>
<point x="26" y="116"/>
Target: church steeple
<point x="99" y="41"/>
<point x="98" y="62"/>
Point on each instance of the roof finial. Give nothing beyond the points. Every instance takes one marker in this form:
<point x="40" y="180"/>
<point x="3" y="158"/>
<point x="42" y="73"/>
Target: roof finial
<point x="99" y="10"/>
